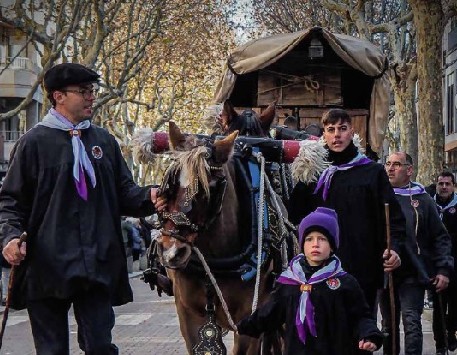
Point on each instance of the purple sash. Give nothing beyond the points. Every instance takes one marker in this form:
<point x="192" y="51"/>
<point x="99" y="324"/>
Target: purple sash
<point x="294" y="275"/>
<point x="414" y="188"/>
<point x="326" y="177"/>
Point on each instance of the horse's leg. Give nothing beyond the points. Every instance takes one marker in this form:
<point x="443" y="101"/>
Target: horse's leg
<point x="189" y="323"/>
<point x="190" y="313"/>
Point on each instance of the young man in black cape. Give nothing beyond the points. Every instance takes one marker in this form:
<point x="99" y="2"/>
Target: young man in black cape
<point x="357" y="189"/>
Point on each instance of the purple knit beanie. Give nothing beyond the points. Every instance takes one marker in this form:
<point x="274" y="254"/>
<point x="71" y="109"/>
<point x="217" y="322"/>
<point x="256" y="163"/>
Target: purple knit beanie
<point x="322" y="219"/>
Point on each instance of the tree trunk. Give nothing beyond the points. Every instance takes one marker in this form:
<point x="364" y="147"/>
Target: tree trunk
<point x="428" y="21"/>
<point x="403" y="81"/>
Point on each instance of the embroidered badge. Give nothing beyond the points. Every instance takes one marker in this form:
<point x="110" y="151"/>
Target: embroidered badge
<point x="97" y="152"/>
<point x="333" y="284"/>
<point x="415" y="203"/>
<point x="452" y="210"/>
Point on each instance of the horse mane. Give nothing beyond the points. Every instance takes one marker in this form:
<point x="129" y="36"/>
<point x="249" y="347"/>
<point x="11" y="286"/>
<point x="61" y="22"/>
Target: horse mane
<point x="193" y="167"/>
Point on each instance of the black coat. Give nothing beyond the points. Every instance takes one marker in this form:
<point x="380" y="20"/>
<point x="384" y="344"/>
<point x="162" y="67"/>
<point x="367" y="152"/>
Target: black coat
<point x="358" y="196"/>
<point x="69" y="238"/>
<point x="428" y="252"/>
<point x="342" y="318"/>
<point x="449" y="217"/>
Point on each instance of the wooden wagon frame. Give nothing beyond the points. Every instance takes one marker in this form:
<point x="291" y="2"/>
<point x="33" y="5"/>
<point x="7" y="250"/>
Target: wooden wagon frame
<point x="309" y="72"/>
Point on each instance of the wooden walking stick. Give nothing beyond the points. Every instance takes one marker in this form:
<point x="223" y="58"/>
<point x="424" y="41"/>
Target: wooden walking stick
<point x="22" y="239"/>
<point x="391" y="284"/>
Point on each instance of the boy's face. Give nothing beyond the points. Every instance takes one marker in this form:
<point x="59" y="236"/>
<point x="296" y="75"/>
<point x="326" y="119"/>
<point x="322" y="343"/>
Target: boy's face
<point x="316" y="248"/>
<point x="338" y="136"/>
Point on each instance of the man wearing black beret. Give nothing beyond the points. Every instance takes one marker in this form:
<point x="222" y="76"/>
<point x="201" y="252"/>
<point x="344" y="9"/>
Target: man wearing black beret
<point x="67" y="187"/>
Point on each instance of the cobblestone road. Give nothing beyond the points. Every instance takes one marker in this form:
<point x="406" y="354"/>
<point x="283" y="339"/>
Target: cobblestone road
<point x="147" y="326"/>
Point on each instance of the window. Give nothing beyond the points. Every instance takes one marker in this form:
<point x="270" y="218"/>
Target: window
<point x="17" y="44"/>
<point x="450" y="107"/>
<point x="452" y="36"/>
<point x="4" y="42"/>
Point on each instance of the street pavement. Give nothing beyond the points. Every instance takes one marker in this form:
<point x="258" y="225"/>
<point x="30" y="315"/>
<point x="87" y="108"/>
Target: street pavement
<point x="147" y="326"/>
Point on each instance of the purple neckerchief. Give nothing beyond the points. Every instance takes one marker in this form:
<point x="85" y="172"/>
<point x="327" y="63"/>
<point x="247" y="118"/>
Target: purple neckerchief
<point x="413" y="188"/>
<point x="294" y="275"/>
<point x="81" y="162"/>
<point x="326" y="177"/>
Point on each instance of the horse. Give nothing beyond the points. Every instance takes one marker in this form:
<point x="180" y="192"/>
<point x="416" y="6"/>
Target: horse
<point x="206" y="228"/>
<point x="225" y="120"/>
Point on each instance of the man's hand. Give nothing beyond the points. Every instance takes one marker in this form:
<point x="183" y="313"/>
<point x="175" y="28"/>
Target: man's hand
<point x="160" y="202"/>
<point x="367" y="345"/>
<point x="440" y="282"/>
<point x="12" y="253"/>
<point x="391" y="262"/>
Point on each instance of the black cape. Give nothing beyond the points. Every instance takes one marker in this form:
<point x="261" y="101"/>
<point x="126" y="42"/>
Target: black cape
<point x="342" y="318"/>
<point x="69" y="239"/>
<point x="358" y="196"/>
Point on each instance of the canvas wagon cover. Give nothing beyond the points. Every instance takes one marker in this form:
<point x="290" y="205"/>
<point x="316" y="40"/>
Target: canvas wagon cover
<point x="359" y="54"/>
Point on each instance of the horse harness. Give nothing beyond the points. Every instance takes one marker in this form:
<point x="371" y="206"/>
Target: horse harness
<point x="210" y="338"/>
<point x="244" y="263"/>
<point x="180" y="219"/>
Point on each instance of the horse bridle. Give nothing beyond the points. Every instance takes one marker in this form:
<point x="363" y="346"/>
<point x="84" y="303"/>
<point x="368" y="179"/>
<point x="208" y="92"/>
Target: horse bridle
<point x="180" y="219"/>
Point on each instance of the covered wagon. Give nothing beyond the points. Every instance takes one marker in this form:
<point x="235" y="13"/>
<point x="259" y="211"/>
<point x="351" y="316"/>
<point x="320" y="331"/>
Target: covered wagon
<point x="308" y="72"/>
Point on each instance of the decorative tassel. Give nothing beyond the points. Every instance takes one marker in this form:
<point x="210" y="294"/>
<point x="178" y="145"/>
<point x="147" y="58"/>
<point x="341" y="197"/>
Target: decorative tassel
<point x="310" y="162"/>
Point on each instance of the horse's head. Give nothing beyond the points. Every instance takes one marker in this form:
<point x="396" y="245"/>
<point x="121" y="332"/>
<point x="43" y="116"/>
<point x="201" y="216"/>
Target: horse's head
<point x="247" y="123"/>
<point x="194" y="185"/>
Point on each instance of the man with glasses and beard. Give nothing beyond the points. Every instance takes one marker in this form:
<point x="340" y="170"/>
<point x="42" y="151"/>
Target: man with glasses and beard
<point x="67" y="187"/>
<point x="426" y="260"/>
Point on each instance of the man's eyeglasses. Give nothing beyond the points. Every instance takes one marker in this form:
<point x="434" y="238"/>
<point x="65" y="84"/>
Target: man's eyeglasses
<point x="87" y="94"/>
<point x="395" y="164"/>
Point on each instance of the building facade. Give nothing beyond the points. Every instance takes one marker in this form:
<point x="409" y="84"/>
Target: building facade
<point x="450" y="93"/>
<point x="19" y="69"/>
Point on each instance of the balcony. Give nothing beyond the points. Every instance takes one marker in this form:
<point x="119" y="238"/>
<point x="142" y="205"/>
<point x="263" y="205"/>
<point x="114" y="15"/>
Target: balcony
<point x="16" y="63"/>
<point x="17" y="76"/>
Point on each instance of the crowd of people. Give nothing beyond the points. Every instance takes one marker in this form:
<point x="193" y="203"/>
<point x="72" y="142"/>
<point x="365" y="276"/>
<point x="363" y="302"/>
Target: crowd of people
<point x="68" y="186"/>
<point x="422" y="222"/>
<point x="136" y="234"/>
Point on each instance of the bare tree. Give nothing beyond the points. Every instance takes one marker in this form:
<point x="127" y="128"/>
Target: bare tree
<point x="49" y="27"/>
<point x="428" y="20"/>
<point x="158" y="59"/>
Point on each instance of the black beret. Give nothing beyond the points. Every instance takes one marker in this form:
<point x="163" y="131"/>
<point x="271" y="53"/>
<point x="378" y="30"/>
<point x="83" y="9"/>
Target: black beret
<point x="66" y="74"/>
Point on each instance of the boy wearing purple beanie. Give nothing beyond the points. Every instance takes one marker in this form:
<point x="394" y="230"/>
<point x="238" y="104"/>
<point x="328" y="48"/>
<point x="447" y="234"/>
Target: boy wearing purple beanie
<point x="322" y="307"/>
